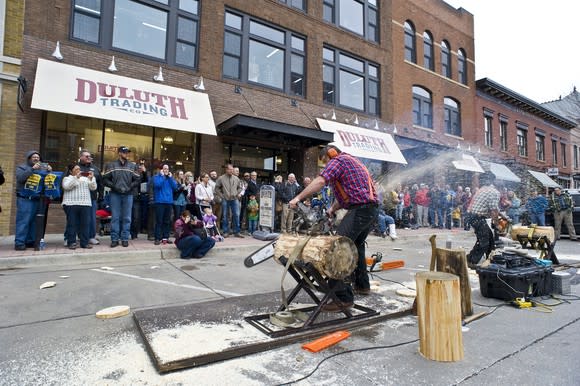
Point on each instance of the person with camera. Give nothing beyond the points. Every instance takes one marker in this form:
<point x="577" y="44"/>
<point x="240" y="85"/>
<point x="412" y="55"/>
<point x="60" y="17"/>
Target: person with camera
<point x="122" y="177"/>
<point x="87" y="166"/>
<point x="76" y="200"/>
<point x="27" y="205"/>
<point x="191" y="237"/>
<point x="354" y="190"/>
<point x="163" y="187"/>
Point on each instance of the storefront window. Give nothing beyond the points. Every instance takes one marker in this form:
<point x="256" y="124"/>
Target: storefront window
<point x="175" y="148"/>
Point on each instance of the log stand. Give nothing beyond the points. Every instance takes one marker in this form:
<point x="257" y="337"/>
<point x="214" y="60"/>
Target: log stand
<point x="310" y="280"/>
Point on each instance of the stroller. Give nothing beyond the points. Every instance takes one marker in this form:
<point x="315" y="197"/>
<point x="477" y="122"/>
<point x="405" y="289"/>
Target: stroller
<point x="210" y="223"/>
<point x="103" y="215"/>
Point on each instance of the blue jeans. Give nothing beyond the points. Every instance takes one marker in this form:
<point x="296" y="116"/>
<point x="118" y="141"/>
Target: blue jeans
<point x="26" y="210"/>
<point x="93" y="220"/>
<point x="252" y="226"/>
<point x="162" y="220"/>
<point x="383" y="221"/>
<point x="77" y="223"/>
<point x="234" y="208"/>
<point x="121" y="207"/>
<point x="194" y="246"/>
<point x="538" y="219"/>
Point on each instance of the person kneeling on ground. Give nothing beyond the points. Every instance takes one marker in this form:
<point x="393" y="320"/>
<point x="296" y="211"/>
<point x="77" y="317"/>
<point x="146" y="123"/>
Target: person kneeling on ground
<point x="191" y="238"/>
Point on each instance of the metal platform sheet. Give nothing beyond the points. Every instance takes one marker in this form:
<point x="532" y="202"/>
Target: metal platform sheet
<point x="196" y="334"/>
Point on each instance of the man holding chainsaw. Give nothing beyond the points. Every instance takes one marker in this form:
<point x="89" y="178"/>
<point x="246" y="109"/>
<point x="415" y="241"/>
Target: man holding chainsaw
<point x="354" y="190"/>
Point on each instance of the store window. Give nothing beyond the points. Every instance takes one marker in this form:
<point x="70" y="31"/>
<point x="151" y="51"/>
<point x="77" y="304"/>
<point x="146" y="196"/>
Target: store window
<point x="265" y="161"/>
<point x="357" y="16"/>
<point x="66" y="135"/>
<point x="157" y="29"/>
<point x="452" y="111"/>
<point x="422" y="107"/>
<point x="349" y="81"/>
<point x="258" y="53"/>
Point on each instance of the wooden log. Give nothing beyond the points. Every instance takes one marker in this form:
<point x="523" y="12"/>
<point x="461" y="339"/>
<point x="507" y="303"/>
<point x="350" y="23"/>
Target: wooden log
<point x="439" y="315"/>
<point x="333" y="256"/>
<point x="454" y="261"/>
<point x="538" y="232"/>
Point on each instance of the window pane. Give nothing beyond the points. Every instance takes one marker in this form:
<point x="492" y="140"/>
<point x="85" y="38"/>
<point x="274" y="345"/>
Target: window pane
<point x="328" y="54"/>
<point x="185" y="54"/>
<point x="373" y="88"/>
<point x="90" y="6"/>
<point x="86" y="28"/>
<point x="328" y="83"/>
<point x="328" y="13"/>
<point x="297" y="43"/>
<point x="232" y="44"/>
<point x="266" y="64"/>
<point x="139" y="28"/>
<point x="231" y="67"/>
<point x="267" y="32"/>
<point x="351" y="63"/>
<point x="186" y="30"/>
<point x="351" y="16"/>
<point x="351" y="90"/>
<point x="189" y="6"/>
<point x="233" y="21"/>
<point x="297" y="75"/>
<point x="162" y="1"/>
<point x="298" y="4"/>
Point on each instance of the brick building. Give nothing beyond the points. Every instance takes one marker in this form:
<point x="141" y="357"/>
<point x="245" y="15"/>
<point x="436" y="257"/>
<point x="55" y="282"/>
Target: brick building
<point x="274" y="73"/>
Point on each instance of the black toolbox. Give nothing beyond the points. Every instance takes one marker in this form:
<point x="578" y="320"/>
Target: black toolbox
<point x="509" y="277"/>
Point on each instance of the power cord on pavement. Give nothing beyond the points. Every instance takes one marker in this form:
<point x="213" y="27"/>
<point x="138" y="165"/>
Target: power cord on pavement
<point x="191" y="277"/>
<point x="346" y="352"/>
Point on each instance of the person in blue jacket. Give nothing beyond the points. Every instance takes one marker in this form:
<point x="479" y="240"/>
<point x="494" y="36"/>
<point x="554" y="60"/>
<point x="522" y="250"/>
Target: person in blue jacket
<point x="163" y="187"/>
<point x="536" y="206"/>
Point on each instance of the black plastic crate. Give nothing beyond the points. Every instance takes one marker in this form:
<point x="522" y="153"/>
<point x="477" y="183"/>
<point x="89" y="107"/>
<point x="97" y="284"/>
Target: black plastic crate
<point x="497" y="281"/>
<point x="512" y="260"/>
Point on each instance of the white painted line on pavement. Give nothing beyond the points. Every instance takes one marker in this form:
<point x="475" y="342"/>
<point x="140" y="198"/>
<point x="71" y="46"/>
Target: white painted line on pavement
<point x="205" y="289"/>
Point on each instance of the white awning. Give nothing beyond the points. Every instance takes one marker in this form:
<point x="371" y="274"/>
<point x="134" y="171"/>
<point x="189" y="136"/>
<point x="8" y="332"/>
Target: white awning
<point x="76" y="90"/>
<point x="501" y="172"/>
<point x="468" y="163"/>
<point x="363" y="143"/>
<point x="544" y="179"/>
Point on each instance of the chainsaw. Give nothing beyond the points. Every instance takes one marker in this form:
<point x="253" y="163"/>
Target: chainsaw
<point x="314" y="220"/>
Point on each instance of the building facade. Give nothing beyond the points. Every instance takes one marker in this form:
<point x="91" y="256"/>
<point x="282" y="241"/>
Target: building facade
<point x="276" y="79"/>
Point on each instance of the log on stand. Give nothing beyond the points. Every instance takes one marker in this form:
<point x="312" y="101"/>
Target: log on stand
<point x="333" y="256"/>
<point x="439" y="316"/>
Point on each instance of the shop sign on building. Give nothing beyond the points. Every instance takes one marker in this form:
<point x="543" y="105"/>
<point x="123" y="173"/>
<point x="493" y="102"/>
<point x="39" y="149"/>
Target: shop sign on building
<point x="552" y="171"/>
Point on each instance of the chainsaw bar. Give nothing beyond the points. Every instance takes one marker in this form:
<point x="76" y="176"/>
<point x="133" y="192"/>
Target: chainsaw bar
<point x="260" y="255"/>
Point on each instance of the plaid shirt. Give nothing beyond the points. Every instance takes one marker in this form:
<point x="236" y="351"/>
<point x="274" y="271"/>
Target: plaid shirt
<point x="485" y="200"/>
<point x="350" y="181"/>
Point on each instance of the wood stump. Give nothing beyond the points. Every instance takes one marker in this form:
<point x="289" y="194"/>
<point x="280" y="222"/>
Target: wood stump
<point x="439" y="315"/>
<point x="454" y="261"/>
<point x="333" y="256"/>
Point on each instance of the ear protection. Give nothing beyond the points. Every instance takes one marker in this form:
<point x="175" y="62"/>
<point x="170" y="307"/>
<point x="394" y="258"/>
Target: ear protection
<point x="331" y="152"/>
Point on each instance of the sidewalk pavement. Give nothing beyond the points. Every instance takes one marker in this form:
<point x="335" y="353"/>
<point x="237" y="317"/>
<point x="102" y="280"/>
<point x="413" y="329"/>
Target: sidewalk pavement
<point x="55" y="253"/>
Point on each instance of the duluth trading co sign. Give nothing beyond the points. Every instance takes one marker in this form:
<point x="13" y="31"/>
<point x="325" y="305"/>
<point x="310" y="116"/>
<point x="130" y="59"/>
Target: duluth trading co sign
<point x="76" y="90"/>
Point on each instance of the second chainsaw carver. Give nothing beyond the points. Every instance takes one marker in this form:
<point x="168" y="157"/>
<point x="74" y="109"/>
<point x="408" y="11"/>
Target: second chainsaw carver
<point x="354" y="190"/>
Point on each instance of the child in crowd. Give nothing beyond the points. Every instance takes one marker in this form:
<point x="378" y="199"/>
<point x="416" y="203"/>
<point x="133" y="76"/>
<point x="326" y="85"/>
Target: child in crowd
<point x="210" y="223"/>
<point x="253" y="216"/>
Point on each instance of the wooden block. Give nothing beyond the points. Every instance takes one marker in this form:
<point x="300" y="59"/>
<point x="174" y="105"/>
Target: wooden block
<point x="113" y="312"/>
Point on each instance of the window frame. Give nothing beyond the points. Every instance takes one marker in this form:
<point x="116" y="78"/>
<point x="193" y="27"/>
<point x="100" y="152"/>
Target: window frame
<point x="488" y="128"/>
<point x="173" y="12"/>
<point x="331" y="14"/>
<point x="428" y="51"/>
<point x="290" y="3"/>
<point x="563" y="151"/>
<point x="540" y="147"/>
<point x="554" y="152"/>
<point x="522" y="141"/>
<point x="452" y="114"/>
<point x="423" y="114"/>
<point x="337" y="68"/>
<point x="503" y="133"/>
<point x="461" y="66"/>
<point x="446" y="70"/>
<point x="575" y="156"/>
<point x="247" y="36"/>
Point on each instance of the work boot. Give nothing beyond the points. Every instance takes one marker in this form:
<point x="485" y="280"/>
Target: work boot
<point x="337" y="306"/>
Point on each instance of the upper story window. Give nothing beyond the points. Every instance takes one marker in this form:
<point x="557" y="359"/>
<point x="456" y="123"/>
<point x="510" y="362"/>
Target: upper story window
<point x="452" y="116"/>
<point x="410" y="43"/>
<point x="156" y="29"/>
<point x="540" y="149"/>
<point x="422" y="107"/>
<point x="554" y="152"/>
<point x="428" y="56"/>
<point x="298" y="4"/>
<point x="255" y="52"/>
<point x="564" y="158"/>
<point x="575" y="156"/>
<point x="358" y="16"/>
<point x="461" y="66"/>
<point x="349" y="81"/>
<point x="522" y="142"/>
<point x="445" y="59"/>
<point x="503" y="142"/>
<point x="488" y="129"/>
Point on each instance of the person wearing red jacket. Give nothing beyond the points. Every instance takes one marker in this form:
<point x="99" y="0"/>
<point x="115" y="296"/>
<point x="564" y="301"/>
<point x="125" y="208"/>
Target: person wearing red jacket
<point x="422" y="201"/>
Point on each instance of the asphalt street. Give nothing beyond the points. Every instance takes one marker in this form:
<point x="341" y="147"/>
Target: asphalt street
<point x="52" y="337"/>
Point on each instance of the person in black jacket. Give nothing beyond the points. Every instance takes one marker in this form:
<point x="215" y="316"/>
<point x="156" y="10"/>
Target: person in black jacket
<point x="121" y="176"/>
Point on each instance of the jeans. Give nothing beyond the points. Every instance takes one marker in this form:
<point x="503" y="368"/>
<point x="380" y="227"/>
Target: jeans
<point x="383" y="221"/>
<point x="234" y="208"/>
<point x="538" y="219"/>
<point x="162" y="220"/>
<point x="422" y="215"/>
<point x="77" y="223"/>
<point x="121" y="207"/>
<point x="93" y="220"/>
<point x="26" y="211"/>
<point x="194" y="246"/>
<point x="252" y="226"/>
<point x="178" y="210"/>
<point x="356" y="226"/>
